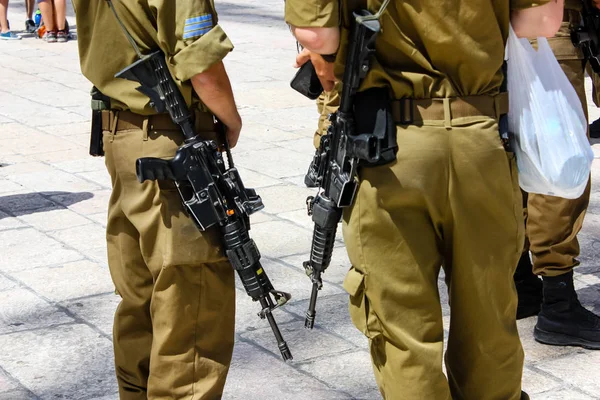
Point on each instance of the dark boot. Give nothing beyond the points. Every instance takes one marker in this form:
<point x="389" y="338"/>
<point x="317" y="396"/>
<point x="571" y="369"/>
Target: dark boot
<point x="563" y="321"/>
<point x="529" y="288"/>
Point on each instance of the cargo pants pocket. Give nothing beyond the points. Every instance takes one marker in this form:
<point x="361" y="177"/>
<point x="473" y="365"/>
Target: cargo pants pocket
<point x="361" y="312"/>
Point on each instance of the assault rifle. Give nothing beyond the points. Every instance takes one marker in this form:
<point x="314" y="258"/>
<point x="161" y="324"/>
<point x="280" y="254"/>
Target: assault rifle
<point x="211" y="190"/>
<point x="587" y="37"/>
<point x="334" y="167"/>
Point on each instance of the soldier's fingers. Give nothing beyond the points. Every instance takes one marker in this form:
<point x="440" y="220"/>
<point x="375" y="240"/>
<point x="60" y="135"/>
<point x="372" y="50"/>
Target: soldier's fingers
<point x="327" y="84"/>
<point x="302" y="58"/>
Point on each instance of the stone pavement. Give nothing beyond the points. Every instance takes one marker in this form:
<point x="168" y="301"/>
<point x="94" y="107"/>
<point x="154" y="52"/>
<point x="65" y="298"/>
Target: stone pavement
<point x="56" y="297"/>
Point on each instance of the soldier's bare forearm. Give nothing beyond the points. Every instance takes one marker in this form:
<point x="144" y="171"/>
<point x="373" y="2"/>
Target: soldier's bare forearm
<point x="318" y="40"/>
<point x="214" y="89"/>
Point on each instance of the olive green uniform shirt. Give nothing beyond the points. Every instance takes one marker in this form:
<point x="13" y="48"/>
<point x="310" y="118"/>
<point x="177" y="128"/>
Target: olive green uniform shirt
<point x="185" y="30"/>
<point x="427" y="48"/>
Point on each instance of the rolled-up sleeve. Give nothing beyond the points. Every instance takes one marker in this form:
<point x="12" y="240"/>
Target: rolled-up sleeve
<point x="189" y="34"/>
<point x="312" y="13"/>
<point x="522" y="4"/>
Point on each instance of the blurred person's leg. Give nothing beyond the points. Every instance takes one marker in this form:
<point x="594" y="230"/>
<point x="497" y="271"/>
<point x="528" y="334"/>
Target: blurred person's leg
<point x="47" y="9"/>
<point x="3" y="16"/>
<point x="5" y="33"/>
<point x="60" y="13"/>
<point x="29" y="8"/>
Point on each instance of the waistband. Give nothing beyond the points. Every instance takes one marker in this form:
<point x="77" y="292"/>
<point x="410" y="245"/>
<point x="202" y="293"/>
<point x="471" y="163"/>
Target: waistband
<point x="124" y="120"/>
<point x="409" y="111"/>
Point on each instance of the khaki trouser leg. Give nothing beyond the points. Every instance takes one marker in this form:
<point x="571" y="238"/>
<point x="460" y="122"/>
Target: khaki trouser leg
<point x="450" y="198"/>
<point x="327" y="103"/>
<point x="554" y="222"/>
<point x="174" y="327"/>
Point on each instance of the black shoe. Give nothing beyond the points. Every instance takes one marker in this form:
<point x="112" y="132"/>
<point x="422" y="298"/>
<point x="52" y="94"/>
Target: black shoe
<point x="563" y="321"/>
<point x="595" y="129"/>
<point x="29" y="26"/>
<point x="529" y="288"/>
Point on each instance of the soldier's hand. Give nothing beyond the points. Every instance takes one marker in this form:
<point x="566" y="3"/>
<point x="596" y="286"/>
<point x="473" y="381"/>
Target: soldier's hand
<point x="596" y="3"/>
<point x="233" y="133"/>
<point x="323" y="68"/>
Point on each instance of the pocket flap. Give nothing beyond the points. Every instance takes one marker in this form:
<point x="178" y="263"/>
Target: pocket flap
<point x="353" y="281"/>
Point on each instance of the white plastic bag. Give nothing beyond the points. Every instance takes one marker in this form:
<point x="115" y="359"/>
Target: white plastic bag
<point x="553" y="153"/>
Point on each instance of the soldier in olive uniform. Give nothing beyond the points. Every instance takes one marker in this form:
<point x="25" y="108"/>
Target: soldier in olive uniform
<point x="174" y="327"/>
<point x="552" y="225"/>
<point x="450" y="199"/>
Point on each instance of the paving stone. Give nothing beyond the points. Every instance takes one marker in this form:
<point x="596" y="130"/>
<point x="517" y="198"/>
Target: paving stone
<point x="275" y="163"/>
<point x="535" y="382"/>
<point x="246" y="312"/>
<point x="7" y="222"/>
<point x="99" y="255"/>
<point x="265" y="133"/>
<point x="295" y="281"/>
<point x="280" y="198"/>
<point x="301" y="146"/>
<point x="22" y="310"/>
<point x="100" y="218"/>
<point x="7" y="186"/>
<point x="536" y="352"/>
<point x="39" y="248"/>
<point x="54" y="219"/>
<point x="18" y="395"/>
<point x="100" y="178"/>
<point x="84" y="203"/>
<point x="290" y="239"/>
<point x="36" y="143"/>
<point x="54" y="180"/>
<point x="78" y="362"/>
<point x="6" y="284"/>
<point x="67" y="129"/>
<point x="114" y="396"/>
<point x="575" y="369"/>
<point x="13" y="170"/>
<point x="297" y="338"/>
<point x="16" y="130"/>
<point x="81" y="237"/>
<point x="56" y="157"/>
<point x="98" y="310"/>
<point x="248" y="379"/>
<point x="7" y="384"/>
<point x="299" y="217"/>
<point x="258" y="218"/>
<point x="256" y="180"/>
<point x="350" y="372"/>
<point x="562" y="394"/>
<point x="335" y="273"/>
<point x="87" y="164"/>
<point x="332" y="315"/>
<point x="55" y="283"/>
<point x="81" y="140"/>
<point x="25" y="203"/>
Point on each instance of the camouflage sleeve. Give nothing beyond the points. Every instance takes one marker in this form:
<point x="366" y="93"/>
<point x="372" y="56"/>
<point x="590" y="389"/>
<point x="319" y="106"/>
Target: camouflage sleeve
<point x="312" y="13"/>
<point x="189" y="35"/>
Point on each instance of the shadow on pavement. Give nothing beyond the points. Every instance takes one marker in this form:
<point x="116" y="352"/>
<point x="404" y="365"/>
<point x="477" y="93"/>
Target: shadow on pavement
<point x="30" y="203"/>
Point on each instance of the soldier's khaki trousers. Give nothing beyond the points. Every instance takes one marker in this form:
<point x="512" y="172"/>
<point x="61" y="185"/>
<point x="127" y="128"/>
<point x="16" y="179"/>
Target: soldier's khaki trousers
<point x="451" y="199"/>
<point x="327" y="103"/>
<point x="174" y="328"/>
<point x="554" y="222"/>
